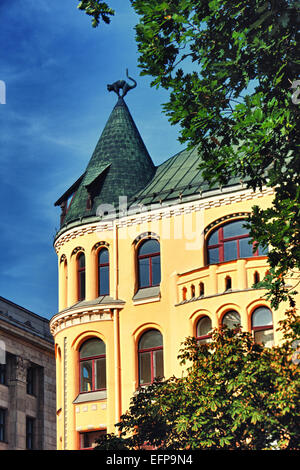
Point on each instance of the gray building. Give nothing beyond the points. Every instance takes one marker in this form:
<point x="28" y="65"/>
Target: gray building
<point x="27" y="380"/>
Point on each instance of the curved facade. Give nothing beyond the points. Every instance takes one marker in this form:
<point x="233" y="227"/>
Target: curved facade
<point x="163" y="289"/>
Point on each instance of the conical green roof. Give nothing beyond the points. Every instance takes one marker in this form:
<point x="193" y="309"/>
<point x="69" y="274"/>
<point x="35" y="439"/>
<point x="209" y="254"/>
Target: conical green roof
<point x="120" y="166"/>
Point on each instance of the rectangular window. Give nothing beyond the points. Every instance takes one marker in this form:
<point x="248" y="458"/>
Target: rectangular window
<point x="30" y="424"/>
<point x="104" y="280"/>
<point x="230" y="250"/>
<point x="264" y="337"/>
<point x="155" y="270"/>
<point x="88" y="439"/>
<point x="145" y="367"/>
<point x="213" y="255"/>
<point x="2" y="424"/>
<point x="262" y="251"/>
<point x="86" y="376"/>
<point x="144" y="272"/>
<point x="246" y="248"/>
<point x="158" y="363"/>
<point x="81" y="285"/>
<point x="30" y="388"/>
<point x="100" y="373"/>
<point x="3" y="374"/>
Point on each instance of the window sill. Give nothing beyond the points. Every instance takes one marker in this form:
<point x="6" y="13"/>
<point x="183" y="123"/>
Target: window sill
<point x="91" y="396"/>
<point x="147" y="295"/>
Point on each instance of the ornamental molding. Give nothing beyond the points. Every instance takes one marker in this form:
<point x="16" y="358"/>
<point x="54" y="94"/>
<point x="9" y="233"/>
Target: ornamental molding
<point x="208" y="202"/>
<point x="79" y="316"/>
<point x="100" y="244"/>
<point x="225" y="218"/>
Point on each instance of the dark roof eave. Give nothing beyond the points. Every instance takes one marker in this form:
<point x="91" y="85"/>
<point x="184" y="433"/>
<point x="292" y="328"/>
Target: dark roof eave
<point x="69" y="191"/>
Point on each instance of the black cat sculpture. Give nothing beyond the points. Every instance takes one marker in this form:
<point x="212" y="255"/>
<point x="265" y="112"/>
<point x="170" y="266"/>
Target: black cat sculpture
<point x="122" y="85"/>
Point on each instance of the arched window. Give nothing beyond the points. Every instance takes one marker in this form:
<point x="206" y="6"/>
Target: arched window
<point x="262" y="326"/>
<point x="81" y="276"/>
<point x="103" y="272"/>
<point x="92" y="360"/>
<point x="150" y="356"/>
<point x="203" y="330"/>
<point x="201" y="289"/>
<point x="231" y="319"/>
<point x="193" y="291"/>
<point x="228" y="283"/>
<point x="231" y="241"/>
<point x="149" y="263"/>
<point x="256" y="278"/>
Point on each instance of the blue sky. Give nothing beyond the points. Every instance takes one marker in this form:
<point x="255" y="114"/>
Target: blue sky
<point x="56" y="68"/>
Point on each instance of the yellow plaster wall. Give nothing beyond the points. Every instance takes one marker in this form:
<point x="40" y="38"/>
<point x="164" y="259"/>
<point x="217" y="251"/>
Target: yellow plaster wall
<point x="182" y="264"/>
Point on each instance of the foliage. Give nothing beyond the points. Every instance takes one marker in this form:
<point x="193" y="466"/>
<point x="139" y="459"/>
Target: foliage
<point x="110" y="442"/>
<point x="231" y="69"/>
<point x="235" y="395"/>
<point x="97" y="10"/>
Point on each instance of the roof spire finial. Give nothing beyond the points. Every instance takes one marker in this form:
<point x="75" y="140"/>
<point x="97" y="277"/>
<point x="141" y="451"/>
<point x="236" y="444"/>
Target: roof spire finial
<point x="122" y="85"/>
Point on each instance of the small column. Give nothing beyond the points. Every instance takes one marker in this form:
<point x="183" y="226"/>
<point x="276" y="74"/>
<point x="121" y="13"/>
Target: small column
<point x="17" y="405"/>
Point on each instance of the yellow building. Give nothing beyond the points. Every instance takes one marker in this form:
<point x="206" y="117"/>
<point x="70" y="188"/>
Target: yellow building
<point x="146" y="256"/>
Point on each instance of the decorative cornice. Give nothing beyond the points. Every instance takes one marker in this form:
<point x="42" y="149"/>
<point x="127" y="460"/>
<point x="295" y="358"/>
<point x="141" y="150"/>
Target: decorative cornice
<point x="225" y="218"/>
<point x="207" y="202"/>
<point x="95" y="247"/>
<point x="76" y="316"/>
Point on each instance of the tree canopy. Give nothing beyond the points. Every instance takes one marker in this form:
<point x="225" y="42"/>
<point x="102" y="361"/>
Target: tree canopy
<point x="231" y="69"/>
<point x="235" y="395"/>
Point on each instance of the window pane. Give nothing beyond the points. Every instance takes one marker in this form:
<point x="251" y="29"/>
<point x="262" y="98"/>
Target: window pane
<point x="29" y="433"/>
<point x="88" y="438"/>
<point x="104" y="280"/>
<point x="82" y="285"/>
<point x="2" y="424"/>
<point x="145" y="367"/>
<point x="230" y="250"/>
<point x="149" y="247"/>
<point x="262" y="251"/>
<point x="103" y="256"/>
<point x="213" y="255"/>
<point x="100" y="373"/>
<point x="3" y="374"/>
<point x="144" y="272"/>
<point x="235" y="229"/>
<point x="158" y="363"/>
<point x="246" y="248"/>
<point x="86" y="376"/>
<point x="262" y="316"/>
<point x="30" y="381"/>
<point x="264" y="337"/>
<point x="231" y="319"/>
<point x="151" y="339"/>
<point x="214" y="238"/>
<point x="92" y="347"/>
<point x="204" y="326"/>
<point x="155" y="270"/>
<point x="81" y="260"/>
